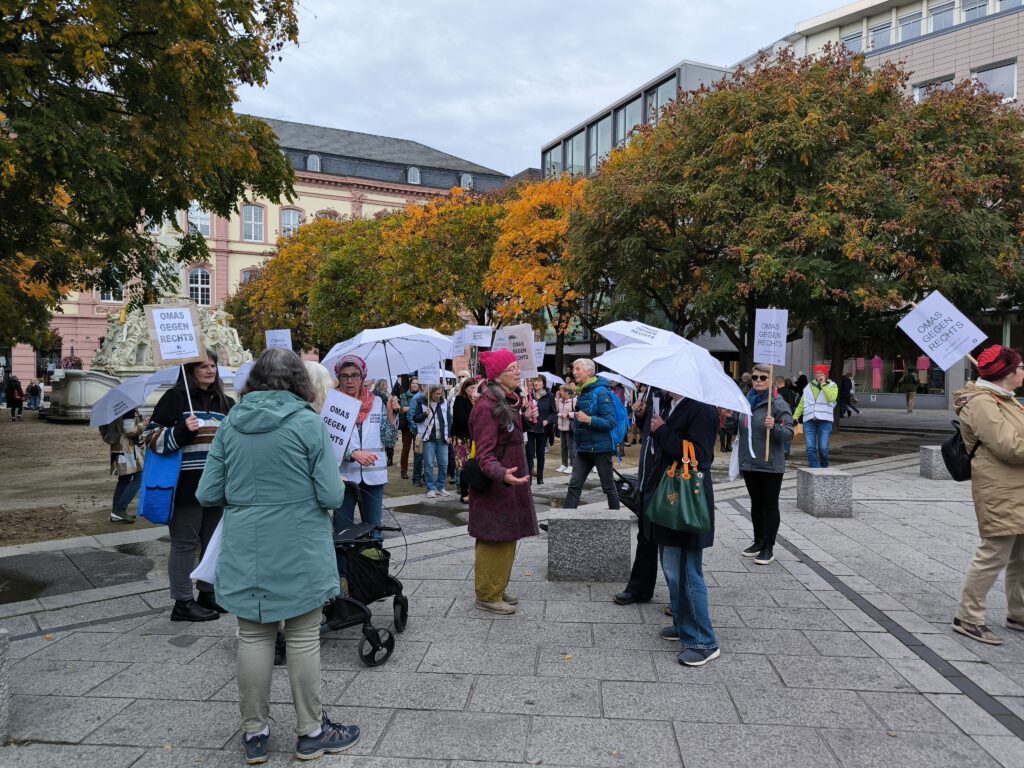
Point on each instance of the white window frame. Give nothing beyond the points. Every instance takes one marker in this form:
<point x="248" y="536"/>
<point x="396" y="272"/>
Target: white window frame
<point x="853" y="36"/>
<point x="909" y="19"/>
<point x="878" y="28"/>
<point x="286" y="229"/>
<point x="313" y="163"/>
<point x="412" y="175"/>
<point x="974" y="4"/>
<point x="109" y="296"/>
<point x="245" y="275"/>
<point x="950" y="7"/>
<point x="466" y="181"/>
<point x="990" y="67"/>
<point x="198" y="288"/>
<point x="200" y="219"/>
<point x="250" y="222"/>
<point x="921" y="90"/>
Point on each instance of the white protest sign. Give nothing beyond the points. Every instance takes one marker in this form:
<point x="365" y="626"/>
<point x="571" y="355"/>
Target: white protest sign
<point x="538" y="352"/>
<point x="941" y="330"/>
<point x="478" y="335"/>
<point x="279" y="339"/>
<point x="458" y="343"/>
<point x="500" y="339"/>
<point x="520" y="344"/>
<point x="339" y="414"/>
<point x="770" y="329"/>
<point x="429" y="374"/>
<point x="174" y="333"/>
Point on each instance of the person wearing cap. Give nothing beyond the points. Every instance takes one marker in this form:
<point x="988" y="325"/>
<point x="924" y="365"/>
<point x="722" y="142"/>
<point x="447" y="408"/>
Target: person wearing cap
<point x="502" y="513"/>
<point x="817" y="408"/>
<point x="364" y="466"/>
<point x="992" y="426"/>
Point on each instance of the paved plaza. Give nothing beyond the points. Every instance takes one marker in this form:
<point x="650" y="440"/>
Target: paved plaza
<point x="838" y="654"/>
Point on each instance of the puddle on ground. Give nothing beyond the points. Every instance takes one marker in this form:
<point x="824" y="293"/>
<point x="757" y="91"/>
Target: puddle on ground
<point x="140" y="549"/>
<point x="16" y="590"/>
<point x="448" y="514"/>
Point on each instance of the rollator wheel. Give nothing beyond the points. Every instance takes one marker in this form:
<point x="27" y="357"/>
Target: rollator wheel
<point x="401" y="612"/>
<point x="375" y="656"/>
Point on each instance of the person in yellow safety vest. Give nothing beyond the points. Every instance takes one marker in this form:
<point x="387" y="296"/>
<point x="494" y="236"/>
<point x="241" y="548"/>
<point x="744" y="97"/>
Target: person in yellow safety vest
<point x="817" y="408"/>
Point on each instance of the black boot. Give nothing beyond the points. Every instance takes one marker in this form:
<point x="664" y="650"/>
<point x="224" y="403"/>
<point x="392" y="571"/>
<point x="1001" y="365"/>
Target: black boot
<point x="209" y="600"/>
<point x="190" y="610"/>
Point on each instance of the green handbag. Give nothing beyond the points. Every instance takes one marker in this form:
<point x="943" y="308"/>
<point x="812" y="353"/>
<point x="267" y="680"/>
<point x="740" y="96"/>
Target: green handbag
<point x="679" y="501"/>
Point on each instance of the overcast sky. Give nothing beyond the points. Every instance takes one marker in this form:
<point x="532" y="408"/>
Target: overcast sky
<point x="490" y="80"/>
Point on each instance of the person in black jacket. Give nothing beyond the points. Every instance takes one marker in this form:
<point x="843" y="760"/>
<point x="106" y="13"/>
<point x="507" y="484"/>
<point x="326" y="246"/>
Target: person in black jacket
<point x="462" y="406"/>
<point x="537" y="435"/>
<point x="668" y="420"/>
<point x="15" y="396"/>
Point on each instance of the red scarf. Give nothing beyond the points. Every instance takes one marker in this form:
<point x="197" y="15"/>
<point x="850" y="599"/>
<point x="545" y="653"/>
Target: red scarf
<point x="366" y="397"/>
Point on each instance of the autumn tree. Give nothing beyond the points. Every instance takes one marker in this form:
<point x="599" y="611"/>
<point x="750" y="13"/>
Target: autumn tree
<point x="114" y="114"/>
<point x="532" y="273"/>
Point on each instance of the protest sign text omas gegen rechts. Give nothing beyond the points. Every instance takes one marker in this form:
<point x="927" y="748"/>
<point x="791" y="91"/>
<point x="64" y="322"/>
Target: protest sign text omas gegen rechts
<point x="770" y="329"/>
<point x="520" y="343"/>
<point x="941" y="330"/>
<point x="339" y="414"/>
<point x="279" y="339"/>
<point x="174" y="334"/>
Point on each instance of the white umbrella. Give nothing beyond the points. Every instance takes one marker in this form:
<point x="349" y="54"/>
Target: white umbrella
<point x="620" y="379"/>
<point x="623" y="332"/>
<point x="241" y="376"/>
<point x="393" y="350"/>
<point x="169" y="376"/>
<point x="551" y="379"/>
<point x="685" y="369"/>
<point x="122" y="399"/>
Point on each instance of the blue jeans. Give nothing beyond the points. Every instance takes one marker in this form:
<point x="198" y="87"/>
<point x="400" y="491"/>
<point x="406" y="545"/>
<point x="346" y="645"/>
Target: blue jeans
<point x="33" y="403"/>
<point x="124" y="492"/>
<point x="371" y="502"/>
<point x="435" y="456"/>
<point x="816" y="434"/>
<point x="684" y="572"/>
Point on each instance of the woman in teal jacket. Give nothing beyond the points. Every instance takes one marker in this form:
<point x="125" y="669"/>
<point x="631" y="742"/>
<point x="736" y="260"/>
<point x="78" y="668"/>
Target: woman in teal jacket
<point x="272" y="468"/>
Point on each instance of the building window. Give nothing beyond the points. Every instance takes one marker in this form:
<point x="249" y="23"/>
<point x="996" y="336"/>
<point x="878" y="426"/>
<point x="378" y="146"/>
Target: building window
<point x="658" y="97"/>
<point x="909" y="27"/>
<point x="313" y="163"/>
<point x="252" y="223"/>
<point x="1001" y="79"/>
<point x="412" y="175"/>
<point x="974" y="9"/>
<point x="627" y="118"/>
<point x="112" y="295"/>
<point x="854" y="43"/>
<point x="290" y="221"/>
<point x="245" y="276"/>
<point x="575" y="154"/>
<point x="880" y="36"/>
<point x="199" y="286"/>
<point x="198" y="220"/>
<point x="941" y="16"/>
<point x="923" y="90"/>
<point x="600" y="140"/>
<point x="1007" y="4"/>
<point x="551" y="162"/>
<point x="466" y="181"/>
<point x="154" y="227"/>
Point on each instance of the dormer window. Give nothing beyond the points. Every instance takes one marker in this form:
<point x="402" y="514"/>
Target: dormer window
<point x="313" y="163"/>
<point x="412" y="175"/>
<point x="466" y="181"/>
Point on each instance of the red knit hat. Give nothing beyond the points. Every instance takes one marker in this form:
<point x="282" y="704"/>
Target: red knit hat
<point x="496" y="362"/>
<point x="997" y="361"/>
<point x="822" y="369"/>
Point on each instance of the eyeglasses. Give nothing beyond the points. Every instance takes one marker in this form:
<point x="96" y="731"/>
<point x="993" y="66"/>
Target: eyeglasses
<point x="759" y="378"/>
<point x="349" y="376"/>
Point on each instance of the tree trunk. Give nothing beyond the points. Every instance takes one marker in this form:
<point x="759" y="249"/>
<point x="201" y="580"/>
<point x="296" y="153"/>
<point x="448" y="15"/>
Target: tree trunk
<point x="559" y="353"/>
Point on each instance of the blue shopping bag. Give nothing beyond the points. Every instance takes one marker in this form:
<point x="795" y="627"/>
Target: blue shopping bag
<point x="159" y="478"/>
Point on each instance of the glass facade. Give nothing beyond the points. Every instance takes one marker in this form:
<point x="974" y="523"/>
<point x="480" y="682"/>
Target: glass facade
<point x="575" y="154"/>
<point x="552" y="163"/>
<point x="854" y="43"/>
<point x="658" y="97"/>
<point x="974" y="9"/>
<point x="909" y="26"/>
<point x="627" y="118"/>
<point x="941" y="16"/>
<point x="1006" y="4"/>
<point x="599" y="141"/>
<point x="1001" y="80"/>
<point x="880" y="36"/>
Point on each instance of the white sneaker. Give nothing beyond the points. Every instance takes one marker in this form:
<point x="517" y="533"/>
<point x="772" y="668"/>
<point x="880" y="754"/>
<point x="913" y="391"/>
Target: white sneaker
<point x="443" y="492"/>
<point x="561" y="468"/>
<point x="431" y="495"/>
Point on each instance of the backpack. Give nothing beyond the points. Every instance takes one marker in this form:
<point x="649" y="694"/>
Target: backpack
<point x="621" y="420"/>
<point x="956" y="456"/>
<point x="111" y="433"/>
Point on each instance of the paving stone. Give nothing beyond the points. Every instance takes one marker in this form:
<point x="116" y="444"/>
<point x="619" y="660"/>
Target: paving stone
<point x="592" y="612"/>
<point x="543" y="633"/>
<point x="342" y="654"/>
<point x="64" y="755"/>
<point x="428" y="570"/>
<point x="989" y="678"/>
<point x="1013" y="703"/>
<point x="814" y="708"/>
<point x="444" y="629"/>
<point x="178" y="723"/>
<point x="38" y="718"/>
<point x="595" y="663"/>
<point x="98" y="646"/>
<point x="737" y="596"/>
<point x="455" y="736"/>
<point x="949" y="649"/>
<point x="70" y="678"/>
<point x="832" y="672"/>
<point x="188" y="682"/>
<point x="408" y="690"/>
<point x="922" y="676"/>
<point x="663" y="701"/>
<point x="887" y="646"/>
<point x="769" y="641"/>
<point x="911" y="622"/>
<point x="843" y="643"/>
<point x="972" y="719"/>
<point x="796" y="598"/>
<point x="790" y="618"/>
<point x="707" y="745"/>
<point x="907" y="712"/>
<point x="225" y="626"/>
<point x="867" y="749"/>
<point x="591" y="742"/>
<point x="465" y="608"/>
<point x="858" y="621"/>
<point x="479" y="658"/>
<point x="103" y="609"/>
<point x="729" y="668"/>
<point x="1005" y="749"/>
<point x="537" y="696"/>
<point x="638" y="636"/>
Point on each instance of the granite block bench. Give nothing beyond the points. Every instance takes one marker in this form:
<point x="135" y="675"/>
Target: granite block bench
<point x="5" y="686"/>
<point x="590" y="543"/>
<point x="932" y="465"/>
<point x="824" y="492"/>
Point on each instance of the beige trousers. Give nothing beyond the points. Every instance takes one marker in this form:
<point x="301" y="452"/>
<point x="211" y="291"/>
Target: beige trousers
<point x="493" y="569"/>
<point x="256" y="663"/>
<point x="992" y="556"/>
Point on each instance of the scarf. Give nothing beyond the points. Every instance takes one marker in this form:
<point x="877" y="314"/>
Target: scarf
<point x="756" y="398"/>
<point x="366" y="398"/>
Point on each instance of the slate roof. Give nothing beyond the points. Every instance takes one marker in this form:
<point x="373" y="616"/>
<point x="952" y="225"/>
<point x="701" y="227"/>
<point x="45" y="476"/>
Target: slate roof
<point x="368" y="146"/>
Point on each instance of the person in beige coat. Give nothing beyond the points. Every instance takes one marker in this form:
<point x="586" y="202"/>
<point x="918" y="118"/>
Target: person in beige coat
<point x="992" y="420"/>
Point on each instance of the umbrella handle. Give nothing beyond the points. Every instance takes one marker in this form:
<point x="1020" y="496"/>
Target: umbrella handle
<point x="188" y="395"/>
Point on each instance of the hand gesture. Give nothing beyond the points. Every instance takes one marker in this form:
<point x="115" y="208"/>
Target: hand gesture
<point x="511" y="479"/>
<point x="364" y="458"/>
<point x="192" y="423"/>
<point x="583" y="418"/>
<point x="393" y="405"/>
<point x="769" y="421"/>
<point x="639" y="407"/>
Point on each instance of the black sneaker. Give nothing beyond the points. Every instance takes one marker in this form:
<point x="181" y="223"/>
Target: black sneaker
<point x="697" y="657"/>
<point x="752" y="550"/>
<point x="333" y="738"/>
<point x="764" y="557"/>
<point x="256" y="748"/>
<point x="668" y="633"/>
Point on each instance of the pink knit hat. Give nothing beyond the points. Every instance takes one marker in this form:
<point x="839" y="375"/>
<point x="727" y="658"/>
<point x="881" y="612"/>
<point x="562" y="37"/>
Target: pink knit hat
<point x="496" y="362"/>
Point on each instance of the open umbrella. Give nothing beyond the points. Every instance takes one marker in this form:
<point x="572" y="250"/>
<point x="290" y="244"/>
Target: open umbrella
<point x="551" y="379"/>
<point x="169" y="376"/>
<point x="685" y="369"/>
<point x="620" y="379"/>
<point x="242" y="375"/>
<point x="393" y="350"/>
<point x="122" y="399"/>
<point x="623" y="332"/>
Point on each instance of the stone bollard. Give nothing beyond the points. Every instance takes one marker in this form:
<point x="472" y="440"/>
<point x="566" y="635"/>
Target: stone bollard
<point x="824" y="492"/>
<point x="932" y="465"/>
<point x="591" y="543"/>
<point x="5" y="686"/>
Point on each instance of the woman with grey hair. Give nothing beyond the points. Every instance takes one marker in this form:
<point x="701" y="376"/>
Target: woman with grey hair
<point x="271" y="466"/>
<point x="763" y="474"/>
<point x="321" y="380"/>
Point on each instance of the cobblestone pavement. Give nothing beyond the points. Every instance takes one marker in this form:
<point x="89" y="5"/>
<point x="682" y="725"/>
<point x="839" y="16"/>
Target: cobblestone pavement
<point x="837" y="654"/>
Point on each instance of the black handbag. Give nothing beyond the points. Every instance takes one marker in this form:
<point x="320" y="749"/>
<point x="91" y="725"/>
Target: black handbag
<point x="956" y="456"/>
<point x="474" y="476"/>
<point x="628" y="487"/>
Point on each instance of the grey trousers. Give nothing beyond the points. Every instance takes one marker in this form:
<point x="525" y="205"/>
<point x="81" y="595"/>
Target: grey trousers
<point x="256" y="665"/>
<point x="191" y="527"/>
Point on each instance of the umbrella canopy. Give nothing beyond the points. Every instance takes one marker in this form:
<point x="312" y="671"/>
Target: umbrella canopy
<point x="122" y="399"/>
<point x="393" y="350"/>
<point x="685" y="369"/>
<point x="620" y="379"/>
<point x="169" y="376"/>
<point x="623" y="332"/>
<point x="242" y="375"/>
<point x="551" y="379"/>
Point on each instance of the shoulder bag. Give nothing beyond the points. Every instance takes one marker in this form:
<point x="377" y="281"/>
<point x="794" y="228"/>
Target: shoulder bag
<point x="474" y="476"/>
<point x="679" y="502"/>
